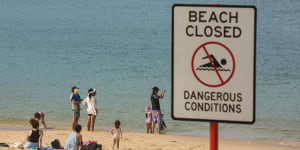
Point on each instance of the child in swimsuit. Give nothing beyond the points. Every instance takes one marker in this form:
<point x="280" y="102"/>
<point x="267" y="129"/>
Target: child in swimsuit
<point x="117" y="133"/>
<point x="148" y="119"/>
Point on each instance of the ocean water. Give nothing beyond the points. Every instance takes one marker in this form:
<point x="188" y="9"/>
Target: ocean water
<point x="123" y="48"/>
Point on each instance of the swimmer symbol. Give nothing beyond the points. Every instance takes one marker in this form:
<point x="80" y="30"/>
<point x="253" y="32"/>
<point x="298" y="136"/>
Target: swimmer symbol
<point x="209" y="66"/>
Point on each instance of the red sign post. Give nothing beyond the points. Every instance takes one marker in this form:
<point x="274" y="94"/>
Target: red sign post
<point x="214" y="135"/>
<point x="214" y="129"/>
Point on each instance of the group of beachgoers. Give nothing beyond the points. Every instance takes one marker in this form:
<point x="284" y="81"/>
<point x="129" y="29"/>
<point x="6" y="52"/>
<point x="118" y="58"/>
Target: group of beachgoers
<point x="153" y="116"/>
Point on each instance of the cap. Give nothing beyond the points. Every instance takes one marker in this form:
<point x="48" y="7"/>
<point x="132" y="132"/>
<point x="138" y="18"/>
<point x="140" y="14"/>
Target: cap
<point x="155" y="88"/>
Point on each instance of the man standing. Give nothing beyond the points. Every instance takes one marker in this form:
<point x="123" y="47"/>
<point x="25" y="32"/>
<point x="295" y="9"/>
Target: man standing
<point x="76" y="100"/>
<point x="156" y="113"/>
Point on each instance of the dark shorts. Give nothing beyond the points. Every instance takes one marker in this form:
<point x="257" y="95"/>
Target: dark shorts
<point x="156" y="116"/>
<point x="76" y="114"/>
<point x="90" y="115"/>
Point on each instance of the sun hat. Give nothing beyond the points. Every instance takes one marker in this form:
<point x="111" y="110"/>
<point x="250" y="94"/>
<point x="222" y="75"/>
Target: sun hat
<point x="92" y="91"/>
<point x="148" y="108"/>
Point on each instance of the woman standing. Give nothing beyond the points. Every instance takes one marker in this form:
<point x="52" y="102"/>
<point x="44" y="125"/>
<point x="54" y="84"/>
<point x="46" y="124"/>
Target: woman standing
<point x="92" y="110"/>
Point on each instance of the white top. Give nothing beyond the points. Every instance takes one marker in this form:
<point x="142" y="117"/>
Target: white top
<point x="91" y="105"/>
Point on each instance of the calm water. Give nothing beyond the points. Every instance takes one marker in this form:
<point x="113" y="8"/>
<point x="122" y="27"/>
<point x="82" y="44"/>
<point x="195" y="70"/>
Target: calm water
<point x="123" y="48"/>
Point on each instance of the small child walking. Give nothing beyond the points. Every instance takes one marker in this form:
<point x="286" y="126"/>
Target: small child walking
<point x="117" y="133"/>
<point x="148" y="119"/>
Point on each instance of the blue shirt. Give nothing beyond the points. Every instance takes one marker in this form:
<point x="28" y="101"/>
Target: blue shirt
<point x="76" y="97"/>
<point x="72" y="142"/>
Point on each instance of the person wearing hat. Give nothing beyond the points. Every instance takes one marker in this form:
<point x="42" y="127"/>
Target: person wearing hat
<point x="92" y="110"/>
<point x="76" y="100"/>
<point x="148" y="119"/>
<point x="156" y="113"/>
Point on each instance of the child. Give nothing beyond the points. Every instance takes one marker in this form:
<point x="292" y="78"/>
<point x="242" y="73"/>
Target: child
<point x="76" y="98"/>
<point x="116" y="132"/>
<point x="40" y="116"/>
<point x="35" y="136"/>
<point x="148" y="119"/>
<point x="92" y="110"/>
<point x="75" y="139"/>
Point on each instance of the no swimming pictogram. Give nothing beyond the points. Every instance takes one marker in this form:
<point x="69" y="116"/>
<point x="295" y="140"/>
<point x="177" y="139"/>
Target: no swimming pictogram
<point x="213" y="64"/>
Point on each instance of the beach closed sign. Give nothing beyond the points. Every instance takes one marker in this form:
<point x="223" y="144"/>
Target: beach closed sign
<point x="213" y="56"/>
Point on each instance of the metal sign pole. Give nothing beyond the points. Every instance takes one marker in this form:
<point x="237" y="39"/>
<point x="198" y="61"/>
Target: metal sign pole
<point x="213" y="138"/>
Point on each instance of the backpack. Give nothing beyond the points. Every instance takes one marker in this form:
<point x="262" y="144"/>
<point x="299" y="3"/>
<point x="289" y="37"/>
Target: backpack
<point x="92" y="146"/>
<point x="4" y="145"/>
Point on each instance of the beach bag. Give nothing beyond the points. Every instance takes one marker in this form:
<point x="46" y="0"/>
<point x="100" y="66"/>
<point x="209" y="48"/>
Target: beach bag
<point x="56" y="144"/>
<point x="4" y="145"/>
<point x="92" y="146"/>
<point x="95" y="146"/>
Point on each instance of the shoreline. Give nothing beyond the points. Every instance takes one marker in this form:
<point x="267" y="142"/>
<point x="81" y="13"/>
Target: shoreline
<point x="138" y="140"/>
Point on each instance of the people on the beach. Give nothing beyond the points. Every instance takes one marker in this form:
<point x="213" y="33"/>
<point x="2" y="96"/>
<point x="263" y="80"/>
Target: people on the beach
<point x="75" y="139"/>
<point x="35" y="136"/>
<point x="40" y="116"/>
<point x="76" y="100"/>
<point x="148" y="119"/>
<point x="117" y="134"/>
<point x="156" y="113"/>
<point x="92" y="110"/>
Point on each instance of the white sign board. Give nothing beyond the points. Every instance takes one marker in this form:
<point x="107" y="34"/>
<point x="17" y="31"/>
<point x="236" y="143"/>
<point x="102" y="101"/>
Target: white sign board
<point x="213" y="74"/>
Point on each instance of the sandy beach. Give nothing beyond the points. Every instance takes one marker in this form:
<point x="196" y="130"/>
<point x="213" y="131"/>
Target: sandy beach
<point x="142" y="141"/>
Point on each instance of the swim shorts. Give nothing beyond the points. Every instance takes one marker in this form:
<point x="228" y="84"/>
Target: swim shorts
<point x="76" y="114"/>
<point x="156" y="116"/>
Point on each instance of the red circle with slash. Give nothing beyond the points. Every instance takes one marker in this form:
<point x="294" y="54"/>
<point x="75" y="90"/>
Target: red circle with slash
<point x="222" y="81"/>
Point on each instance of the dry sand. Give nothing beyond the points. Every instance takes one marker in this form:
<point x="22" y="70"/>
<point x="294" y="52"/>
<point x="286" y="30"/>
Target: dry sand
<point x="142" y="141"/>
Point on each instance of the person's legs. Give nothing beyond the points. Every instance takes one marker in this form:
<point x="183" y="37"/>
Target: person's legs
<point x="153" y="124"/>
<point x="43" y="119"/>
<point x="158" y="127"/>
<point x="93" y="121"/>
<point x="150" y="128"/>
<point x="158" y="120"/>
<point x="31" y="145"/>
<point x="75" y="119"/>
<point x="147" y="128"/>
<point x="118" y="140"/>
<point x="154" y="120"/>
<point x="75" y="122"/>
<point x="88" y="123"/>
<point x="114" y="142"/>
